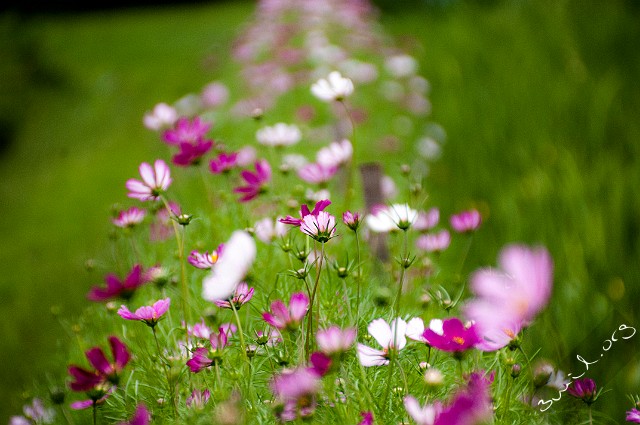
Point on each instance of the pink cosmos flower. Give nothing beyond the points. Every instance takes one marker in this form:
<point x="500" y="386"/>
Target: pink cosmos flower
<point x="203" y="358"/>
<point x="214" y="94"/>
<point x="198" y="399"/>
<point x="335" y="341"/>
<point x="283" y="318"/>
<point x="471" y="405"/>
<point x="256" y="183"/>
<point x="223" y="163"/>
<point x="241" y="296"/>
<point x="427" y="220"/>
<point x="140" y="417"/>
<point x="466" y="221"/>
<point x="584" y="389"/>
<point x="434" y="242"/>
<point x="150" y="315"/>
<point x="199" y="330"/>
<point x="455" y="337"/>
<point x="296" y="390"/>
<point x="130" y="217"/>
<point x="351" y="220"/>
<point x="509" y="298"/>
<point x="389" y="336"/>
<point x="119" y="289"/>
<point x="321" y="227"/>
<point x="367" y="418"/>
<point x="317" y="173"/>
<point x="320" y="363"/>
<point x="104" y="371"/>
<point x="336" y="154"/>
<point x="205" y="261"/>
<point x="304" y="211"/>
<point x="155" y="180"/>
<point x="98" y="396"/>
<point x="633" y="415"/>
<point x="187" y="131"/>
<point x="161" y="228"/>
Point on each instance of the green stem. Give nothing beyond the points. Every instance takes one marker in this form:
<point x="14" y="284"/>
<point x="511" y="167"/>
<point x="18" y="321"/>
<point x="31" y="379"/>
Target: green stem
<point x="167" y="373"/>
<point x="396" y="307"/>
<point x="310" y="333"/>
<point x="358" y="279"/>
<point x="352" y="163"/>
<point x="590" y="416"/>
<point x="95" y="413"/>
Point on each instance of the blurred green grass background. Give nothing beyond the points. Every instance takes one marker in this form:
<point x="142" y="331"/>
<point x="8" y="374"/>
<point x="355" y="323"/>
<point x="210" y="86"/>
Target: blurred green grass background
<point x="540" y="102"/>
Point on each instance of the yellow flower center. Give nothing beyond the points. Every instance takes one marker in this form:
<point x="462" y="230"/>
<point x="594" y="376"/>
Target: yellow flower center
<point x="458" y="340"/>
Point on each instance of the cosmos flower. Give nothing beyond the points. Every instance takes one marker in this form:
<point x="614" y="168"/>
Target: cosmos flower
<point x="187" y="131"/>
<point x="455" y="336"/>
<point x="205" y="261"/>
<point x="334" y="88"/>
<point x="280" y="134"/>
<point x="321" y="227"/>
<point x="470" y="405"/>
<point x="334" y="341"/>
<point x="241" y="296"/>
<point x="351" y="220"/>
<point x="140" y="417"/>
<point x="427" y="220"/>
<point x="509" y="298"/>
<point x="214" y="94"/>
<point x="155" y="180"/>
<point x="304" y="211"/>
<point x="267" y="229"/>
<point x="35" y="413"/>
<point x="387" y="218"/>
<point x="421" y="415"/>
<point x="198" y="398"/>
<point x="203" y="357"/>
<point x="296" y="390"/>
<point x="434" y="242"/>
<point x="191" y="153"/>
<point x="256" y="183"/>
<point x="105" y="372"/>
<point x="129" y="218"/>
<point x="223" y="163"/>
<point x="316" y="173"/>
<point x="336" y="154"/>
<point x="466" y="221"/>
<point x="633" y="415"/>
<point x="232" y="267"/>
<point x="584" y="389"/>
<point x="150" y="315"/>
<point x="389" y="336"/>
<point x="119" y="289"/>
<point x="282" y="317"/>
<point x="162" y="116"/>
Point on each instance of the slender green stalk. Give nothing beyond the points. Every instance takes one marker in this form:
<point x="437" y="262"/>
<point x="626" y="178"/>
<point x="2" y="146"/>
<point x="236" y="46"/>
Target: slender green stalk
<point x="353" y="163"/>
<point x="590" y="416"/>
<point x="186" y="313"/>
<point x="95" y="413"/>
<point x="358" y="280"/>
<point x="310" y="333"/>
<point x="167" y="372"/>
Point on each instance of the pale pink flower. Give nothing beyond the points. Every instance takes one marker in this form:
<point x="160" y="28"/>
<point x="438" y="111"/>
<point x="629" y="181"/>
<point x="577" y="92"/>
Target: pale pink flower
<point x="334" y="88"/>
<point x="401" y="66"/>
<point x="351" y="220"/>
<point x="466" y="221"/>
<point x="333" y="340"/>
<point x="246" y="156"/>
<point x="317" y="173"/>
<point x="205" y="261"/>
<point x="267" y="230"/>
<point x="282" y="317"/>
<point x="241" y="296"/>
<point x="336" y="154"/>
<point x="150" y="315"/>
<point x="162" y="116"/>
<point x="155" y="180"/>
<point x="198" y="398"/>
<point x="427" y="220"/>
<point x="434" y="242"/>
<point x="509" y="298"/>
<point x="304" y="211"/>
<point x="421" y="415"/>
<point x="199" y="330"/>
<point x="280" y="134"/>
<point x="389" y="336"/>
<point x="130" y="217"/>
<point x="321" y="227"/>
<point x="214" y="94"/>
<point x="34" y="413"/>
<point x="232" y="267"/>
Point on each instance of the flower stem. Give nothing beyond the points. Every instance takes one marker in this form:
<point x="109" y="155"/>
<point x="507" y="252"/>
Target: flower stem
<point x="358" y="279"/>
<point x="310" y="332"/>
<point x="352" y="163"/>
<point x="95" y="413"/>
<point x="167" y="373"/>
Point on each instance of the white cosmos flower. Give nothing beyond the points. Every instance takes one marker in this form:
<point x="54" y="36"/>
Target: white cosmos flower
<point x="389" y="336"/>
<point x="337" y="153"/>
<point x="231" y="268"/>
<point x="421" y="415"/>
<point x="388" y="218"/>
<point x="334" y="87"/>
<point x="280" y="134"/>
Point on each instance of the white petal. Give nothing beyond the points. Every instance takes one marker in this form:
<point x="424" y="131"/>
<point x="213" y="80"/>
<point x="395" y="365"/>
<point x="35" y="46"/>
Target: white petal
<point x="381" y="331"/>
<point x="371" y="357"/>
<point x="415" y="329"/>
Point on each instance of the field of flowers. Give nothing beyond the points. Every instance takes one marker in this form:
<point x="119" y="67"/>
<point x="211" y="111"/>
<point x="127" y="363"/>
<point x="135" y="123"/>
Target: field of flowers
<point x="336" y="217"/>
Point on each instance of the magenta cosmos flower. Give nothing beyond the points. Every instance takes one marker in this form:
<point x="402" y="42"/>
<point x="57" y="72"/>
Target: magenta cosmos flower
<point x="471" y="405"/>
<point x="97" y="397"/>
<point x="198" y="398"/>
<point x="150" y="315"/>
<point x="140" y="417"/>
<point x="187" y="131"/>
<point x="104" y="371"/>
<point x="335" y="341"/>
<point x="633" y="415"/>
<point x="466" y="221"/>
<point x="203" y="357"/>
<point x="191" y="154"/>
<point x="321" y="227"/>
<point x="129" y="218"/>
<point x="205" y="261"/>
<point x="283" y="318"/>
<point x="351" y="220"/>
<point x="455" y="337"/>
<point x="509" y="298"/>
<point x="115" y="288"/>
<point x="241" y="296"/>
<point x="223" y="163"/>
<point x="584" y="389"/>
<point x="155" y="180"/>
<point x="389" y="336"/>
<point x="255" y="183"/>
<point x="304" y="211"/>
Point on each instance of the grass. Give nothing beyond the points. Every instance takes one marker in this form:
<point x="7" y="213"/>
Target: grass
<point x="539" y="102"/>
